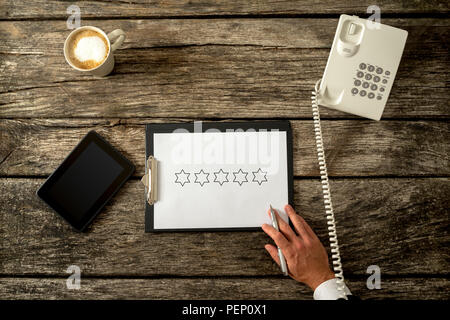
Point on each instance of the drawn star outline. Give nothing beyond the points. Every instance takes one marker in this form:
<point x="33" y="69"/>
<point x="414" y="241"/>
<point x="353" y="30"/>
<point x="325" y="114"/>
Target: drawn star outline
<point x="240" y="177"/>
<point x="221" y="177"/>
<point x="182" y="177"/>
<point x="259" y="176"/>
<point x="201" y="177"/>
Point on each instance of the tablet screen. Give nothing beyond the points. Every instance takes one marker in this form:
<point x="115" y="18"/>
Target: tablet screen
<point x="83" y="183"/>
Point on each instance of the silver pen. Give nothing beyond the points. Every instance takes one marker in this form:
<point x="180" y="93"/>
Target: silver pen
<point x="280" y="253"/>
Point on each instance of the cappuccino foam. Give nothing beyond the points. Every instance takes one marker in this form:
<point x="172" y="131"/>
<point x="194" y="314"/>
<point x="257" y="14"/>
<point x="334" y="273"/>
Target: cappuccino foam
<point x="88" y="49"/>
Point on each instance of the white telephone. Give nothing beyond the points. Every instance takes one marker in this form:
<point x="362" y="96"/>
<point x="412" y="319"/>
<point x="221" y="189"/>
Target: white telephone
<point x="358" y="78"/>
<point x="361" y="67"/>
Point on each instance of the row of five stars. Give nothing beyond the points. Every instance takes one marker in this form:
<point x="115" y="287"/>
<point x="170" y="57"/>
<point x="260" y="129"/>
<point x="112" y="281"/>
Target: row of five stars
<point x="221" y="177"/>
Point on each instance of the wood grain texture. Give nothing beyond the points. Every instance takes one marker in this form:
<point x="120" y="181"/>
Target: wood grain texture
<point x="216" y="288"/>
<point x="226" y="68"/>
<point x="10" y="9"/>
<point x="47" y="37"/>
<point x="400" y="225"/>
<point x="249" y="61"/>
<point x="353" y="148"/>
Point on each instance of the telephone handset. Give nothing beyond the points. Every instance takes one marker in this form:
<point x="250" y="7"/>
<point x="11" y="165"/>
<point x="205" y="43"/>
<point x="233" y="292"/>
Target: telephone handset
<point x="358" y="78"/>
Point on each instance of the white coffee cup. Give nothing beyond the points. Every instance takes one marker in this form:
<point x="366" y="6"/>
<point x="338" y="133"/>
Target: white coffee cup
<point x="117" y="38"/>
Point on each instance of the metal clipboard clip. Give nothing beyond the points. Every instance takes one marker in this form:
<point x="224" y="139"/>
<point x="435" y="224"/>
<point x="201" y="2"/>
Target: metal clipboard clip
<point x="150" y="180"/>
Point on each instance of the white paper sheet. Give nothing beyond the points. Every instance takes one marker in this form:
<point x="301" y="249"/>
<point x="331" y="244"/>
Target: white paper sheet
<point x="219" y="179"/>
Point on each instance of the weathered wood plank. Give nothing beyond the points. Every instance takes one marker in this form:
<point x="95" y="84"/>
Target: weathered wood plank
<point x="217" y="288"/>
<point x="354" y="148"/>
<point x="10" y="9"/>
<point x="400" y="225"/>
<point x="20" y="37"/>
<point x="206" y="68"/>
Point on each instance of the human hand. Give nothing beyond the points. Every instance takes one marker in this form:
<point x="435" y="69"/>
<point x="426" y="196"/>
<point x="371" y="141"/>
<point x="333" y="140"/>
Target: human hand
<point x="306" y="258"/>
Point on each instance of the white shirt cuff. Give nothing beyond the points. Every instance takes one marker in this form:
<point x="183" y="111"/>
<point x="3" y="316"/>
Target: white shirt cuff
<point x="328" y="290"/>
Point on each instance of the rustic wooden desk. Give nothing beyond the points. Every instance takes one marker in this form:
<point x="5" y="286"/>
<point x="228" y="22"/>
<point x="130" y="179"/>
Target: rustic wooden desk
<point x="185" y="61"/>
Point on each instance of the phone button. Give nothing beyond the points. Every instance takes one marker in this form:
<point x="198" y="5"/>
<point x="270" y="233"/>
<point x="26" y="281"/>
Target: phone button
<point x="365" y="85"/>
<point x="362" y="93"/>
<point x="379" y="70"/>
<point x="357" y="82"/>
<point x="371" y="68"/>
<point x="362" y="66"/>
<point x="360" y="74"/>
<point x="374" y="87"/>
<point x="376" y="79"/>
<point x="368" y="76"/>
<point x="354" y="91"/>
<point x="371" y="95"/>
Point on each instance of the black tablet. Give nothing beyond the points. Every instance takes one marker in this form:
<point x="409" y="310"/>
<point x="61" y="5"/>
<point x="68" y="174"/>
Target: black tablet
<point x="86" y="180"/>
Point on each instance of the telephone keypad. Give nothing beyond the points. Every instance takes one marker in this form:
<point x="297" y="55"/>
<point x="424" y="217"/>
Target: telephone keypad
<point x="373" y="75"/>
